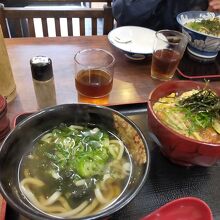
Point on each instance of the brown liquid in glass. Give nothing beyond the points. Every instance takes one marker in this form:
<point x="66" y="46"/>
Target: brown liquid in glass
<point x="94" y="83"/>
<point x="164" y="64"/>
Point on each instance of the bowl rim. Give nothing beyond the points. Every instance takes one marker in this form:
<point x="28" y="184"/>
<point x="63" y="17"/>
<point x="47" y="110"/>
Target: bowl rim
<point x="128" y="50"/>
<point x="202" y="12"/>
<point x="150" y="106"/>
<point x="116" y="206"/>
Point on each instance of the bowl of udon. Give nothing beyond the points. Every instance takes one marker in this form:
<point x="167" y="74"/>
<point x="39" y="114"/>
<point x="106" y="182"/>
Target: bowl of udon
<point x="203" y="31"/>
<point x="184" y="121"/>
<point x="73" y="161"/>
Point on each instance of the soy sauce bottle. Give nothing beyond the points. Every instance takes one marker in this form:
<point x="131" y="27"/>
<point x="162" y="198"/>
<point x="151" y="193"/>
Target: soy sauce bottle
<point x="43" y="81"/>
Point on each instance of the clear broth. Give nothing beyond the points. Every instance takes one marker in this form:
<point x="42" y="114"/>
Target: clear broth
<point x="37" y="169"/>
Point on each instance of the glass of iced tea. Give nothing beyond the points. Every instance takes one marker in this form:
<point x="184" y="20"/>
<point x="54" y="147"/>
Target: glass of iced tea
<point x="169" y="47"/>
<point x="94" y="70"/>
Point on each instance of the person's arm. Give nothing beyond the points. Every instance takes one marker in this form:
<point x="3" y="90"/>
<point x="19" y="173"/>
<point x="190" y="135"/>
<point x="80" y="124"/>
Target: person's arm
<point x="214" y="5"/>
<point x="133" y="12"/>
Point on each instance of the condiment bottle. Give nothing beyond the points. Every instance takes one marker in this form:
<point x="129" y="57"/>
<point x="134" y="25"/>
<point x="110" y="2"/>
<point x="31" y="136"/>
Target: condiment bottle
<point x="4" y="121"/>
<point x="7" y="83"/>
<point x="43" y="81"/>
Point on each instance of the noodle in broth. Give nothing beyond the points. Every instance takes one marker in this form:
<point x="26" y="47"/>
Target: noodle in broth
<point x="75" y="171"/>
<point x="206" y="26"/>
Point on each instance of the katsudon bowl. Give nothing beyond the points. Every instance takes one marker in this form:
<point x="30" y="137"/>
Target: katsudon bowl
<point x="175" y="129"/>
<point x="203" y="31"/>
<point x="73" y="161"/>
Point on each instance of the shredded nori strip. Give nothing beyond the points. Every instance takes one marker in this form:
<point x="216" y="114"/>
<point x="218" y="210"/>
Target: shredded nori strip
<point x="204" y="101"/>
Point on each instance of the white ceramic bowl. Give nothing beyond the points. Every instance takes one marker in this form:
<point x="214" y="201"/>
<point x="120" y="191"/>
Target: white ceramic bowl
<point x="135" y="42"/>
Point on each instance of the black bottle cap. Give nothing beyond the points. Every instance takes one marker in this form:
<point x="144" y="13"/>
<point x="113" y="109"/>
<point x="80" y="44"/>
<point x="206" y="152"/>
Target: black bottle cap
<point x="41" y="68"/>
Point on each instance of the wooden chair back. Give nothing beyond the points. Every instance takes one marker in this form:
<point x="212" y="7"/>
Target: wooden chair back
<point x="21" y="15"/>
<point x="12" y="3"/>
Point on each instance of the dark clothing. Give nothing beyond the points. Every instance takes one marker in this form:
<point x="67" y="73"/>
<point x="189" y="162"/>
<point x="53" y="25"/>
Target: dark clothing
<point x="153" y="14"/>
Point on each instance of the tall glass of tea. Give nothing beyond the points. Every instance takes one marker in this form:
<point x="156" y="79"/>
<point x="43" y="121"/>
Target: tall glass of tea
<point x="94" y="70"/>
<point x="169" y="47"/>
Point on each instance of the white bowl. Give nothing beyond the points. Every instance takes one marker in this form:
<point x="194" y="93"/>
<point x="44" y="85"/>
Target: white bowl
<point x="135" y="42"/>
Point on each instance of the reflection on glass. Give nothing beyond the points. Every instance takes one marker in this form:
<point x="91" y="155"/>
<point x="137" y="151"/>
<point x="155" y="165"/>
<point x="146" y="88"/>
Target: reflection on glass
<point x="98" y="101"/>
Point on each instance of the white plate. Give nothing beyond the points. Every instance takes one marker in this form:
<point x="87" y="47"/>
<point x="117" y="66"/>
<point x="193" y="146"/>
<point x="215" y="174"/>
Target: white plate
<point x="133" y="39"/>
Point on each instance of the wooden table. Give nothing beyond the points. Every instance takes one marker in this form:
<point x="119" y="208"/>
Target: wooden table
<point x="132" y="81"/>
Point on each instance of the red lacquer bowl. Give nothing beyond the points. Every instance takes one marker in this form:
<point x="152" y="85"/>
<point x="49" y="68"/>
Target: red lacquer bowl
<point x="178" y="148"/>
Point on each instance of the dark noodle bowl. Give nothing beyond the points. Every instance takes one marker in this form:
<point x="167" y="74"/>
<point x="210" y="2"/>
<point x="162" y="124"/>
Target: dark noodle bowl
<point x="179" y="148"/>
<point x="23" y="180"/>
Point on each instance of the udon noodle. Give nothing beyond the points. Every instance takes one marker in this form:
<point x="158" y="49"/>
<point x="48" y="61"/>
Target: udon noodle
<point x="75" y="171"/>
<point x="194" y="114"/>
<point x="206" y="26"/>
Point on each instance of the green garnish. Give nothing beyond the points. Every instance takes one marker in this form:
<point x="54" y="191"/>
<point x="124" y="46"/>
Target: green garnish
<point x="201" y="108"/>
<point x="82" y="151"/>
<point x="208" y="26"/>
<point x="204" y="101"/>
